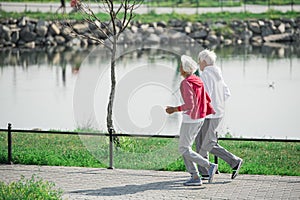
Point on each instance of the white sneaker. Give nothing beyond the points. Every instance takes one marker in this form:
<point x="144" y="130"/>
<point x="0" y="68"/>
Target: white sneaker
<point x="211" y="172"/>
<point x="193" y="182"/>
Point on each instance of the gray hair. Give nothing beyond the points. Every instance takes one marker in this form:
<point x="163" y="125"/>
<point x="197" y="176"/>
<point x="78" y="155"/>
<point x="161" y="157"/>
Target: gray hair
<point x="208" y="56"/>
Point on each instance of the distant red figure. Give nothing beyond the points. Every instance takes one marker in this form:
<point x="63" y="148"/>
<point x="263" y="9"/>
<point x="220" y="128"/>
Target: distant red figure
<point x="75" y="4"/>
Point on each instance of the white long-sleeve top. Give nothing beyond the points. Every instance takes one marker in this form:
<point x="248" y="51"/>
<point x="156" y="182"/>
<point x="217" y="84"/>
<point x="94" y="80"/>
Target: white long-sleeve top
<point x="216" y="88"/>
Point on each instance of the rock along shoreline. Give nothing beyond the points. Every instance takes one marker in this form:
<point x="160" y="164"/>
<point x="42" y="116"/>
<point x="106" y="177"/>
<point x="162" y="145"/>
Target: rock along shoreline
<point x="30" y="33"/>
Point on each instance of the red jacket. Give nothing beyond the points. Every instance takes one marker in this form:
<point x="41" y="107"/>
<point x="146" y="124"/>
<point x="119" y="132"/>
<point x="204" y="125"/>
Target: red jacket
<point x="196" y="100"/>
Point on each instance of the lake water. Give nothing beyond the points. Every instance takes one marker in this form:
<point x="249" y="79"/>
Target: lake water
<point x="68" y="88"/>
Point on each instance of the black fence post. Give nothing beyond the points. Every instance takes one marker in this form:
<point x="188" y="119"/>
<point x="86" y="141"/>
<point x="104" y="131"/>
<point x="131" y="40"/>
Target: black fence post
<point x="111" y="148"/>
<point x="9" y="144"/>
<point x="216" y="157"/>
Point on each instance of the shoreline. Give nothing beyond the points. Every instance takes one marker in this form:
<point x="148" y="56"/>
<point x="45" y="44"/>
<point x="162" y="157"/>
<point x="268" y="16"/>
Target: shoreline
<point x="30" y="33"/>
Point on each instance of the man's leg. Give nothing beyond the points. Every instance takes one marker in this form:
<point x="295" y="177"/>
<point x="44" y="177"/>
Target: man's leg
<point x="210" y="144"/>
<point x="234" y="161"/>
<point x="199" y="142"/>
<point x="225" y="155"/>
<point x="210" y="137"/>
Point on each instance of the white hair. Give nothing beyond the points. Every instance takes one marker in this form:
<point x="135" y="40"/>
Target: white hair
<point x="208" y="56"/>
<point x="188" y="64"/>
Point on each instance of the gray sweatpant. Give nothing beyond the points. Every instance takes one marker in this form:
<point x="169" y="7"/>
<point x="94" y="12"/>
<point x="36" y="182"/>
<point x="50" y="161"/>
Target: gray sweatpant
<point x="188" y="133"/>
<point x="206" y="141"/>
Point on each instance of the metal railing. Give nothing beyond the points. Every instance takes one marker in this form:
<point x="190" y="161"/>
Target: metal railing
<point x="112" y="135"/>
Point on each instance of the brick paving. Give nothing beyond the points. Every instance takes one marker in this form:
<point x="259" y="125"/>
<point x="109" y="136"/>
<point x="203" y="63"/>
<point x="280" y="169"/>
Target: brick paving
<point x="98" y="183"/>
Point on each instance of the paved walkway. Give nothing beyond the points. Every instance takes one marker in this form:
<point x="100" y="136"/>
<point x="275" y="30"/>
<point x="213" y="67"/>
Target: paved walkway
<point x="52" y="7"/>
<point x="95" y="183"/>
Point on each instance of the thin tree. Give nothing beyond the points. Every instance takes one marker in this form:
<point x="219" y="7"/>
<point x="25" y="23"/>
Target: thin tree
<point x="120" y="16"/>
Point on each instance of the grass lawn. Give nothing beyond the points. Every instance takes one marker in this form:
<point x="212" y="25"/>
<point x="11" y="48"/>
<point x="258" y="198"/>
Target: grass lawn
<point x="190" y="3"/>
<point x="274" y="158"/>
<point x="154" y="17"/>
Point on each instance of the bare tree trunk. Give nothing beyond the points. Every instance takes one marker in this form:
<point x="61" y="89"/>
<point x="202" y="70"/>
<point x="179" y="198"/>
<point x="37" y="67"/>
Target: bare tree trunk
<point x="109" y="119"/>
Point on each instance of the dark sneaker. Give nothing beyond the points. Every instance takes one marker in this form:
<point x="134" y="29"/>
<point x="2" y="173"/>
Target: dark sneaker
<point x="236" y="169"/>
<point x="211" y="171"/>
<point x="193" y="182"/>
<point x="205" y="177"/>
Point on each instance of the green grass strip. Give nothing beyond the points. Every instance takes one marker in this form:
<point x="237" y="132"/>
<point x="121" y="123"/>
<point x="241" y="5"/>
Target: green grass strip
<point x="154" y="17"/>
<point x="270" y="158"/>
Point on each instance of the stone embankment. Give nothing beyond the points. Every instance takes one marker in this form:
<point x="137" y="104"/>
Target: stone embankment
<point x="26" y="32"/>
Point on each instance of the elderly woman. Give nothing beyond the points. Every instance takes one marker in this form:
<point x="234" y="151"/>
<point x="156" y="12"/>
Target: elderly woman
<point x="195" y="108"/>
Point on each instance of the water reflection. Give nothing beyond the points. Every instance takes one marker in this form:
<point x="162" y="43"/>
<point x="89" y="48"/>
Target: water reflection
<point x="37" y="86"/>
<point x="61" y="56"/>
<point x="51" y="57"/>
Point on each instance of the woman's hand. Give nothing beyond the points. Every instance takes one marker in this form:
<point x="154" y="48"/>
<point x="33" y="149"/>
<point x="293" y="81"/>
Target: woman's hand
<point x="171" y="110"/>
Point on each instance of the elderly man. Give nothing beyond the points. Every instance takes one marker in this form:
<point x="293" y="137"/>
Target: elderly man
<point x="206" y="140"/>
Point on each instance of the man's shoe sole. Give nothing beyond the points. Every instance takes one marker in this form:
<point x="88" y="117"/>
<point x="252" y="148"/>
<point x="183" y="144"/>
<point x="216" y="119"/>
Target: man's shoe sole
<point x="237" y="170"/>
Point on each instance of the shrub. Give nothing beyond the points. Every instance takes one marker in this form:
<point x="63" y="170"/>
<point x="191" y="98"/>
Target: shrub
<point x="28" y="189"/>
